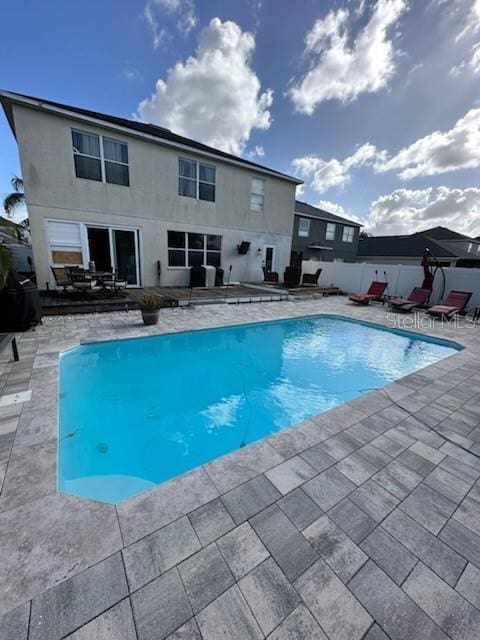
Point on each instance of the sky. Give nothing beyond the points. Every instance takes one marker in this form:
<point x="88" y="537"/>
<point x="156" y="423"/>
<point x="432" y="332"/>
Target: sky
<point x="375" y="104"/>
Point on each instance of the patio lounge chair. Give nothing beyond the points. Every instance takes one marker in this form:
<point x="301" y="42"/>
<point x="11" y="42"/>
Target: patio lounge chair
<point x="375" y="293"/>
<point x="455" y="303"/>
<point x="311" y="279"/>
<point x="417" y="298"/>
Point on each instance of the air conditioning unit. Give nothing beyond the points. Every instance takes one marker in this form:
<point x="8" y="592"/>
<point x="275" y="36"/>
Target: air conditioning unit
<point x="210" y="276"/>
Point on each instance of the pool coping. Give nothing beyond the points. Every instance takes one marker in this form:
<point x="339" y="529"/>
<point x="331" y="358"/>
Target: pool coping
<point x="298" y="427"/>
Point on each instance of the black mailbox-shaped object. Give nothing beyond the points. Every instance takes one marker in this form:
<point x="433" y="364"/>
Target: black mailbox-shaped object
<point x="243" y="248"/>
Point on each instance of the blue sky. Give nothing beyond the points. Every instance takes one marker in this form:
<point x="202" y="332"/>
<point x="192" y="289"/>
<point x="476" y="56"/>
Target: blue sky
<point x="374" y="103"/>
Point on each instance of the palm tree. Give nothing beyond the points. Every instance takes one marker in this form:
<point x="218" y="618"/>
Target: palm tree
<point x="16" y="198"/>
<point x="6" y="262"/>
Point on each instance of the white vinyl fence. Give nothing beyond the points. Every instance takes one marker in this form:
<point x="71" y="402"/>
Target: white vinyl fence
<point x="356" y="277"/>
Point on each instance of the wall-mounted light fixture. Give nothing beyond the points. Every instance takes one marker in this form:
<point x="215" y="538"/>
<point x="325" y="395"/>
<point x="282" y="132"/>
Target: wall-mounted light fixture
<point x="243" y="248"/>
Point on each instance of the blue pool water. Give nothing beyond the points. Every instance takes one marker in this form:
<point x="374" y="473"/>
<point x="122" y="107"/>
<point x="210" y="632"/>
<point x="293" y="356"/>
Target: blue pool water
<point x="134" y="413"/>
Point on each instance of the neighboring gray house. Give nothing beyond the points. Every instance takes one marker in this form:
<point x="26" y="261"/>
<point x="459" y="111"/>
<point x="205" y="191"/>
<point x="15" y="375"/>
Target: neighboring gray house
<point x="450" y="248"/>
<point x="320" y="235"/>
<point x="130" y="196"/>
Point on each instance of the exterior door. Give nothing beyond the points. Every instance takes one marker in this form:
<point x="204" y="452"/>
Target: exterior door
<point x="269" y="258"/>
<point x="124" y="244"/>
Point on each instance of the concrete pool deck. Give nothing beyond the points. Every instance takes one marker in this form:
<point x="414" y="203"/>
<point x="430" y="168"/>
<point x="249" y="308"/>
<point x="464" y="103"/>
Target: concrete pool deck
<point x="362" y="523"/>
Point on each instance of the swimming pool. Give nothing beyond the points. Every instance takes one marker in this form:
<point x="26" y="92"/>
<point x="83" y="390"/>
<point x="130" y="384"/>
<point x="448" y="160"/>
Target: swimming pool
<point x="136" y="412"/>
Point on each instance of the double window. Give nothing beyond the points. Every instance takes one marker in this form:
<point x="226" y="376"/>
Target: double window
<point x="330" y="231"/>
<point x="100" y="158"/>
<point x="303" y="227"/>
<point x="257" y="195"/>
<point x="348" y="233"/>
<point x="193" y="249"/>
<point x="196" y="180"/>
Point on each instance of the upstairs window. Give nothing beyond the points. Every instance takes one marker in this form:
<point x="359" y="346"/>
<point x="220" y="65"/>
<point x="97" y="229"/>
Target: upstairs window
<point x="196" y="180"/>
<point x="116" y="161"/>
<point x="330" y="231"/>
<point x="257" y="195"/>
<point x="348" y="233"/>
<point x="100" y="158"/>
<point x="86" y="155"/>
<point x="303" y="227"/>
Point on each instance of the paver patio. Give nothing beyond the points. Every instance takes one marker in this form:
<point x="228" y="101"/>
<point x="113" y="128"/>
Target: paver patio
<point x="361" y="523"/>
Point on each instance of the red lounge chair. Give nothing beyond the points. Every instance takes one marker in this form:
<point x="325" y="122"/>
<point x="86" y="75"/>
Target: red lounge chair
<point x="375" y="293"/>
<point x="417" y="298"/>
<point x="455" y="303"/>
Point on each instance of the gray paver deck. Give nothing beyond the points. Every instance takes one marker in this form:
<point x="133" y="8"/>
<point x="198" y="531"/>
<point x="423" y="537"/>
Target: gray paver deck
<point x="361" y="523"/>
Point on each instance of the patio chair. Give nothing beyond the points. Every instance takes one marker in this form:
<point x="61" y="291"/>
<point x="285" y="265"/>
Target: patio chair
<point x="271" y="277"/>
<point x="311" y="279"/>
<point x="456" y="302"/>
<point x="61" y="277"/>
<point x="114" y="284"/>
<point x="374" y="294"/>
<point x="291" y="277"/>
<point x="81" y="279"/>
<point x="417" y="298"/>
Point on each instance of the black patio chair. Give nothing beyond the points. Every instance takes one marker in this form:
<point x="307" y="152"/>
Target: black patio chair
<point x="311" y="279"/>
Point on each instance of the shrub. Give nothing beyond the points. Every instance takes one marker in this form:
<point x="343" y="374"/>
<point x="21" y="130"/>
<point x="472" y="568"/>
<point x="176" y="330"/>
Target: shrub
<point x="150" y="303"/>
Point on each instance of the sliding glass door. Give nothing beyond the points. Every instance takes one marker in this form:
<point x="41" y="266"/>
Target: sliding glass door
<point x="115" y="250"/>
<point x="125" y="253"/>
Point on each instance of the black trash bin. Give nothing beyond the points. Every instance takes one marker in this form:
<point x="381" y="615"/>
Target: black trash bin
<point x="20" y="305"/>
<point x="198" y="276"/>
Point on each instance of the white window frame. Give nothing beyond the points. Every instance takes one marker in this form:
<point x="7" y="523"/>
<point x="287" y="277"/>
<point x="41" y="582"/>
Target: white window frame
<point x="197" y="179"/>
<point x="101" y="157"/>
<point x="348" y="234"/>
<point x="303" y="233"/>
<point x="186" y="249"/>
<point x="330" y="231"/>
<point x="261" y="208"/>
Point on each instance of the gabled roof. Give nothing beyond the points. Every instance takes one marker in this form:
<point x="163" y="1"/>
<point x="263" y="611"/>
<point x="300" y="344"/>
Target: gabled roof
<point x="443" y="233"/>
<point x="309" y="210"/>
<point x="442" y="242"/>
<point x="401" y="246"/>
<point x="160" y="133"/>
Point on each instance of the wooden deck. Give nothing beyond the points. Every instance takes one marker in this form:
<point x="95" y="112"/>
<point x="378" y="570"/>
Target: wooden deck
<point x="59" y="303"/>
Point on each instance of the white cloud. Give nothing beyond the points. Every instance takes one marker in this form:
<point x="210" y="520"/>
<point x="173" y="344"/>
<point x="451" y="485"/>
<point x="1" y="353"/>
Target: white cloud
<point x="475" y="59"/>
<point x="344" y="66"/>
<point x="182" y="10"/>
<point x="472" y="21"/>
<point x="406" y="211"/>
<point x="332" y="207"/>
<point x="257" y="152"/>
<point x="325" y="174"/>
<point x="214" y="96"/>
<point x="129" y="73"/>
<point x="438" y="152"/>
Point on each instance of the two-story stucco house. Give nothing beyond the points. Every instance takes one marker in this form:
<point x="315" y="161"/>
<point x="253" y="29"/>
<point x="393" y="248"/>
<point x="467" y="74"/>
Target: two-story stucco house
<point x="141" y="200"/>
<point x="321" y="235"/>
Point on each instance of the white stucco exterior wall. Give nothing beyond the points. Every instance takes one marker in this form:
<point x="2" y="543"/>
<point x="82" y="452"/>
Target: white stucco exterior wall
<point x="151" y="203"/>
